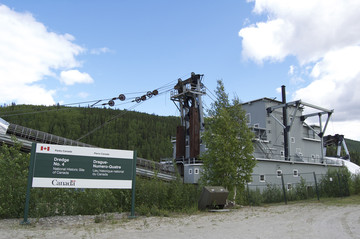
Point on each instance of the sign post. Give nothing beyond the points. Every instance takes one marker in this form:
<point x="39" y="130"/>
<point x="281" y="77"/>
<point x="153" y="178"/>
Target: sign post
<point x="59" y="166"/>
<point x="132" y="215"/>
<point x="29" y="184"/>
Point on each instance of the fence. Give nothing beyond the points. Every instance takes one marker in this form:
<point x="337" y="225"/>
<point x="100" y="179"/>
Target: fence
<point x="282" y="187"/>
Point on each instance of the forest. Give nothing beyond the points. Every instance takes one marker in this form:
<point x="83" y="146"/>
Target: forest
<point x="149" y="135"/>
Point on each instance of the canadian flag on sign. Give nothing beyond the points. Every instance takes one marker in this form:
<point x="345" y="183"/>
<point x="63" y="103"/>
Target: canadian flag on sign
<point x="45" y="148"/>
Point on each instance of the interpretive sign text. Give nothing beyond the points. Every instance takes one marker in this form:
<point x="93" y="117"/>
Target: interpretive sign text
<point x="82" y="167"/>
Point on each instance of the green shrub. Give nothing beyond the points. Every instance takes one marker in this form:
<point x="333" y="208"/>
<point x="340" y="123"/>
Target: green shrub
<point x="152" y="195"/>
<point x="311" y="191"/>
<point x="355" y="189"/>
<point x="301" y="190"/>
<point x="336" y="183"/>
<point x="254" y="197"/>
<point x="169" y="196"/>
<point x="13" y="180"/>
<point x="272" y="193"/>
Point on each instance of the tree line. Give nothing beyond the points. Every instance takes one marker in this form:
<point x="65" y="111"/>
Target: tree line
<point x="149" y="134"/>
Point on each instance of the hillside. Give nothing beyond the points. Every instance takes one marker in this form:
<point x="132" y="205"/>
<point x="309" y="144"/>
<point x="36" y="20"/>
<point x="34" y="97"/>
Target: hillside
<point x="353" y="146"/>
<point x="354" y="150"/>
<point x="150" y="135"/>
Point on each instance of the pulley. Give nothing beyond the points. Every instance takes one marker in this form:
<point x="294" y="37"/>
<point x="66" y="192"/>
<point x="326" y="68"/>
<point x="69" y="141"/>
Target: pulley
<point x="122" y="97"/>
<point x="111" y="103"/>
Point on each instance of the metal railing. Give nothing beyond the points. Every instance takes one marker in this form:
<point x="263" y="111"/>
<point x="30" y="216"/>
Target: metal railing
<point x="42" y="137"/>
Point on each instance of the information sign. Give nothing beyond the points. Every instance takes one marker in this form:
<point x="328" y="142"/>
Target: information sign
<point x="59" y="166"/>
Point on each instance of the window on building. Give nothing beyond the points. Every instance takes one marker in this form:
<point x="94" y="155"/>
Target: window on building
<point x="313" y="156"/>
<point x="278" y="173"/>
<point x="190" y="171"/>
<point x="289" y="186"/>
<point x="262" y="178"/>
<point x="196" y="171"/>
<point x="256" y="125"/>
<point x="282" y="153"/>
<point x="296" y="173"/>
<point x="292" y="139"/>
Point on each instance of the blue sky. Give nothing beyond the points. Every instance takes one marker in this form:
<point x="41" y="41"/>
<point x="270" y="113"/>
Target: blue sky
<point x="78" y="51"/>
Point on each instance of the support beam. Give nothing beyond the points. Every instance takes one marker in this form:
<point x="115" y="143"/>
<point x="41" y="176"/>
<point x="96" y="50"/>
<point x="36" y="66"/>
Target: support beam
<point x="316" y="107"/>
<point x="293" y="103"/>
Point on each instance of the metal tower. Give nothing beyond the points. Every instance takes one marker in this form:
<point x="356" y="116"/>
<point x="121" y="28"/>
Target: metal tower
<point x="187" y="97"/>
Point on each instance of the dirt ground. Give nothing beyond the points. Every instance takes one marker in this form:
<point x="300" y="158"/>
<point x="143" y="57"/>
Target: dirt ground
<point x="314" y="220"/>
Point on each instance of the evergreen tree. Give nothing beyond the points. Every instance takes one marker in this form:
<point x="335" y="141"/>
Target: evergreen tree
<point x="228" y="161"/>
<point x="150" y="135"/>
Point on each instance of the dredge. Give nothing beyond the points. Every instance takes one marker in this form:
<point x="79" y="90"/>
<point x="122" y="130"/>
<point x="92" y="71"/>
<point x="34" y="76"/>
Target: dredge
<point x="285" y="143"/>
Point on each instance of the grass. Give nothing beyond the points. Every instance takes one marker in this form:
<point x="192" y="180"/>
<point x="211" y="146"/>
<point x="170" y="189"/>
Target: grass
<point x="331" y="201"/>
<point x="342" y="201"/>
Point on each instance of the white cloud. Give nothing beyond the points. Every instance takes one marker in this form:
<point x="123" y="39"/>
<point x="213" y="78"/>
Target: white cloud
<point x="29" y="54"/>
<point x="98" y="51"/>
<point x="324" y="36"/>
<point x="29" y="94"/>
<point x="265" y="40"/>
<point x="291" y="70"/>
<point x="304" y="28"/>
<point x="336" y="83"/>
<point x="348" y="128"/>
<point x="72" y="77"/>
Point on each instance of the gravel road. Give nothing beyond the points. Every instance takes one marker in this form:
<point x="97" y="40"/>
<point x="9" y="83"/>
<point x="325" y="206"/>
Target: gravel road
<point x="313" y="220"/>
